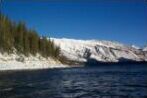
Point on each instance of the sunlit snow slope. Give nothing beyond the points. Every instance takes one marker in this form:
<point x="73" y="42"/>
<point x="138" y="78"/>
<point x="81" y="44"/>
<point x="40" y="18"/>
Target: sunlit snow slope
<point x="105" y="51"/>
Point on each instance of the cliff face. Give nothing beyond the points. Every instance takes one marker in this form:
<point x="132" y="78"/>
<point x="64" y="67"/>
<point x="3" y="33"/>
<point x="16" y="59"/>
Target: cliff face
<point x="103" y="51"/>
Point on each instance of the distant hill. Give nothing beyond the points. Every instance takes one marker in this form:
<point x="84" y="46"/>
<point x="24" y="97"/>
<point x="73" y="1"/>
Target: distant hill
<point x="82" y="51"/>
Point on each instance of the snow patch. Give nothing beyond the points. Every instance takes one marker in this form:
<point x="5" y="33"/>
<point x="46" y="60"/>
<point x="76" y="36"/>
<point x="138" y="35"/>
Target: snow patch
<point x="145" y="49"/>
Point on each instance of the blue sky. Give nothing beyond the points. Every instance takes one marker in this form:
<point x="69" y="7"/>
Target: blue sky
<point x="113" y="20"/>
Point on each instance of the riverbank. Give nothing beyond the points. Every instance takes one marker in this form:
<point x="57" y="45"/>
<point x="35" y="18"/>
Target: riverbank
<point x="21" y="62"/>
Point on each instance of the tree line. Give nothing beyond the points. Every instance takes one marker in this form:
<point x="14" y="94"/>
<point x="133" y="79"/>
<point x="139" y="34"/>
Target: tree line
<point x="16" y="36"/>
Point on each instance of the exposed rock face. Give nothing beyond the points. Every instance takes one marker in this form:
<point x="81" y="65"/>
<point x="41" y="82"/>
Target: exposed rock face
<point x="104" y="51"/>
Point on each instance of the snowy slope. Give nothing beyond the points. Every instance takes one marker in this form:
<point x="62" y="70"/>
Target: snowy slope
<point x="20" y="62"/>
<point x="105" y="51"/>
<point x="136" y="47"/>
<point x="145" y="49"/>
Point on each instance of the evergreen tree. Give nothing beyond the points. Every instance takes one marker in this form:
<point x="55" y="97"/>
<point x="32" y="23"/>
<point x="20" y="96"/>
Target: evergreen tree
<point x="19" y="38"/>
<point x="6" y="39"/>
<point x="34" y="42"/>
<point x="25" y="41"/>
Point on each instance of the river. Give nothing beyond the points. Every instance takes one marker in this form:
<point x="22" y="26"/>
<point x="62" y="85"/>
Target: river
<point x="88" y="82"/>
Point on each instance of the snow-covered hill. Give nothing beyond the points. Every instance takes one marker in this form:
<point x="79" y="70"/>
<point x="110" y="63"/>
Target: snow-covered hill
<point x="75" y="50"/>
<point x="105" y="51"/>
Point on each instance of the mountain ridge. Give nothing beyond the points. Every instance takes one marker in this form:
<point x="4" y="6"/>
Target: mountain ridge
<point x="101" y="51"/>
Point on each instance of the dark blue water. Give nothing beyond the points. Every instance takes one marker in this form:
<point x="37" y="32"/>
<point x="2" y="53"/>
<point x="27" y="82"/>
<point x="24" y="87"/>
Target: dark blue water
<point x="95" y="82"/>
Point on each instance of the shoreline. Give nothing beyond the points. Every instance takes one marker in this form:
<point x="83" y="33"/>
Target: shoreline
<point x="33" y="68"/>
<point x="9" y="62"/>
<point x="61" y="66"/>
<point x="20" y="62"/>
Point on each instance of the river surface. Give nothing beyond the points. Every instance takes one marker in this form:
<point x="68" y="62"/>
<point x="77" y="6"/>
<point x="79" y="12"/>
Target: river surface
<point x="90" y="82"/>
